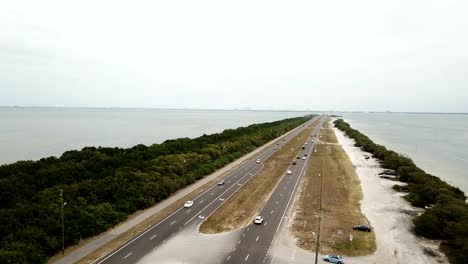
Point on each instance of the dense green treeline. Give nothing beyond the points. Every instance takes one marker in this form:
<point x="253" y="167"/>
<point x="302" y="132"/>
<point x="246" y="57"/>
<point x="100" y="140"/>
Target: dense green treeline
<point x="447" y="216"/>
<point x="102" y="186"/>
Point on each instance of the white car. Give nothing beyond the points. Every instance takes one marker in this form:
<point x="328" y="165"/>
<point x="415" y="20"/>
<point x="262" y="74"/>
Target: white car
<point x="289" y="172"/>
<point x="303" y="158"/>
<point x="188" y="204"/>
<point x="333" y="259"/>
<point x="258" y="220"/>
<point x="258" y="161"/>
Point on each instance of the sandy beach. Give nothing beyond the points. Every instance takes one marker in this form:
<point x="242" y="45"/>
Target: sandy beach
<point x="389" y="214"/>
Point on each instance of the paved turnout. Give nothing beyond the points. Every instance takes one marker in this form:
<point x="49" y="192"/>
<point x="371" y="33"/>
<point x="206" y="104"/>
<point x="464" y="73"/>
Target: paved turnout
<point x="204" y="204"/>
<point x="255" y="242"/>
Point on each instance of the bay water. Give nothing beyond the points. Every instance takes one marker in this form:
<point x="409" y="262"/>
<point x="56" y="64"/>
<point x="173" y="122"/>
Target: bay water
<point x="30" y="133"/>
<point x="437" y="143"/>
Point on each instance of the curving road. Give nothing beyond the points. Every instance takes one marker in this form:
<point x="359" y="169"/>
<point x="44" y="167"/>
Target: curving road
<point x="206" y="203"/>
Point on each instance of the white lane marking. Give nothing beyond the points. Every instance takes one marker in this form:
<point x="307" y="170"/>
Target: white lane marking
<point x="221" y="199"/>
<point x="276" y="202"/>
<point x="271" y="212"/>
<point x="234" y="249"/>
<point x="212" y="193"/>
<point x="281" y="194"/>
<point x="266" y="223"/>
<point x="238" y="242"/>
<point x="257" y="239"/>
<point x="215" y="201"/>
<point x="128" y="255"/>
<point x="228" y="257"/>
<point x="202" y="201"/>
<point x="246" y="258"/>
<point x="248" y="228"/>
<point x="189" y="211"/>
<point x="172" y="222"/>
<point x="153" y="237"/>
<point x="243" y="235"/>
<point x="162" y="221"/>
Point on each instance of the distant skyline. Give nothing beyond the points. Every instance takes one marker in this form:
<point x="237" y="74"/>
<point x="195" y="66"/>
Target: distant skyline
<point x="364" y="55"/>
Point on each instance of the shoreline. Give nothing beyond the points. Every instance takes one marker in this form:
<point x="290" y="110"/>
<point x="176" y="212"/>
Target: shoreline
<point x="389" y="213"/>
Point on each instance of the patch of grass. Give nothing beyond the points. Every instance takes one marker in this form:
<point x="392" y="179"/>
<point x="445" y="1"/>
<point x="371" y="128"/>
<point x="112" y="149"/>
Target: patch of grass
<point x="244" y="205"/>
<point x="326" y="134"/>
<point x="340" y="203"/>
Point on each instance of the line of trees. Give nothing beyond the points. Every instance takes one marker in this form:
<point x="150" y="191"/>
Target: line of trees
<point x="447" y="215"/>
<point x="102" y="186"/>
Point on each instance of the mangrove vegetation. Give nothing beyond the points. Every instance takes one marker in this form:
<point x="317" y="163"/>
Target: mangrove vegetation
<point x="102" y="186"/>
<point x="446" y="214"/>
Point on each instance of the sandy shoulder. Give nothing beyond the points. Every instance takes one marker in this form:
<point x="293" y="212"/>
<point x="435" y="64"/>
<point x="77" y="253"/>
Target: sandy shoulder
<point x="390" y="215"/>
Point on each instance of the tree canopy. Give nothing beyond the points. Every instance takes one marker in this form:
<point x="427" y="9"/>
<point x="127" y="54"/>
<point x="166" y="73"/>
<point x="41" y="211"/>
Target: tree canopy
<point x="103" y="186"/>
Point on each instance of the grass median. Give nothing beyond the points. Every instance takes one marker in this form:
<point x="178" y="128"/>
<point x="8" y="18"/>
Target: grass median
<point x="245" y="204"/>
<point x="341" y="195"/>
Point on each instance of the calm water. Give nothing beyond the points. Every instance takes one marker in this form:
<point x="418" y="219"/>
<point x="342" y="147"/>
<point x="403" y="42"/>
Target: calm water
<point x="436" y="143"/>
<point x="33" y="133"/>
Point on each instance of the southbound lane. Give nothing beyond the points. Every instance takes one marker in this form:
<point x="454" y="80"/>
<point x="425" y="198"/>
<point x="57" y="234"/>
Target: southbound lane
<point x="255" y="242"/>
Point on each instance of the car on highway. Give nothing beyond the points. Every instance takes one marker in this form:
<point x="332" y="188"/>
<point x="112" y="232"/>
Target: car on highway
<point x="258" y="220"/>
<point x="306" y="154"/>
<point x="294" y="163"/>
<point x="304" y="158"/>
<point x="221" y="183"/>
<point x="362" y="228"/>
<point x="258" y="161"/>
<point x="333" y="259"/>
<point x="289" y="172"/>
<point x="298" y="157"/>
<point x="188" y="204"/>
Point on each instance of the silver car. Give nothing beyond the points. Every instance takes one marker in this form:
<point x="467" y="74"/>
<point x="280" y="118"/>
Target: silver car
<point x="334" y="259"/>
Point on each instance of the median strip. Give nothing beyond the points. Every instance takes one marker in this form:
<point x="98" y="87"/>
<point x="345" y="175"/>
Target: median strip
<point x="242" y="207"/>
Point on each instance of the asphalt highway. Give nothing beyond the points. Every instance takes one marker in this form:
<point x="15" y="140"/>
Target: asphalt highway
<point x="207" y="202"/>
<point x="255" y="242"/>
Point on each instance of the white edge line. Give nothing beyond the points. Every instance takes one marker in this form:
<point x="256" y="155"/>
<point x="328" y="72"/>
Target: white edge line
<point x="232" y="173"/>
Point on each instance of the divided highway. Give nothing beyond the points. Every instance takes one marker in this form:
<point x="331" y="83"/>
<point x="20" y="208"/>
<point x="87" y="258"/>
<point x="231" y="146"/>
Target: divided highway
<point x="255" y="242"/>
<point x="204" y="205"/>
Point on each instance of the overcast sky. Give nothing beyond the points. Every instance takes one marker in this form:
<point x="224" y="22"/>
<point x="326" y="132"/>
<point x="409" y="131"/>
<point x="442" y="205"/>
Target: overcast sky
<point x="369" y="55"/>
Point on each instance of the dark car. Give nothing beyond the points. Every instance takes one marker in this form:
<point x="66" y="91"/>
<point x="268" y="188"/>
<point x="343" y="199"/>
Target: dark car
<point x="362" y="228"/>
<point x="298" y="157"/>
<point x="388" y="172"/>
<point x="294" y="163"/>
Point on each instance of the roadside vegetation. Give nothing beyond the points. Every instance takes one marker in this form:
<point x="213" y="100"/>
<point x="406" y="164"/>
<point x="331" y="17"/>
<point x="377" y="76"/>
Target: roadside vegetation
<point x="103" y="186"/>
<point x="446" y="214"/>
<point x="338" y="193"/>
<point x="245" y="204"/>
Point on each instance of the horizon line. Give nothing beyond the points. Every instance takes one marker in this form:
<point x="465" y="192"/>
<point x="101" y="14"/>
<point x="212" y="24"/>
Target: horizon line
<point x="235" y="109"/>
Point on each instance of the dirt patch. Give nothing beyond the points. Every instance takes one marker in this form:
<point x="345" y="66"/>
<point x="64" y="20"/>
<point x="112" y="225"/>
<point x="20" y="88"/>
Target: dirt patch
<point x="341" y="195"/>
<point x="244" y="205"/>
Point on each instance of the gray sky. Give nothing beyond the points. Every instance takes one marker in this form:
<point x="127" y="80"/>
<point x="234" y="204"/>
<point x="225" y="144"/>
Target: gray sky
<point x="372" y="55"/>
